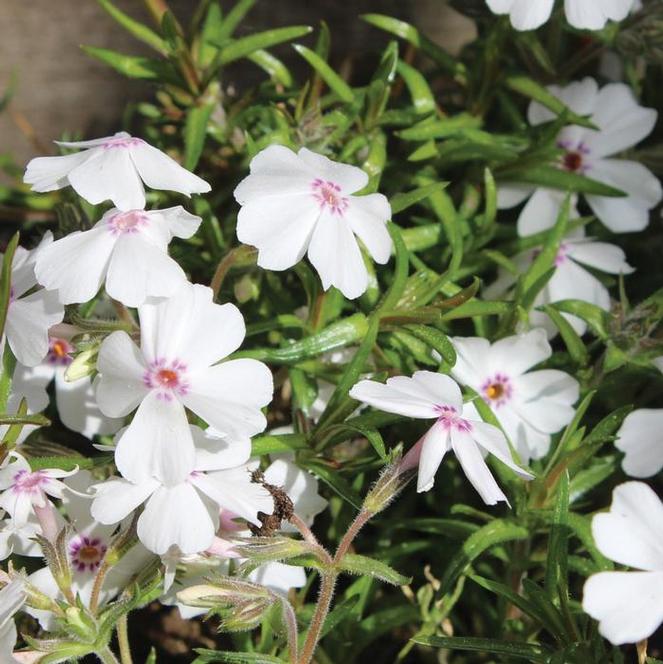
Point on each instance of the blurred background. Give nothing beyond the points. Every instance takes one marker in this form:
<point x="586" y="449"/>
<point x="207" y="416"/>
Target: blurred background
<point x="56" y="88"/>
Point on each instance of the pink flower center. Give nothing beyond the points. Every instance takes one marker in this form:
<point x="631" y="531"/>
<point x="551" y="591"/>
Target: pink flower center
<point x="127" y="222"/>
<point x="167" y="377"/>
<point x="328" y="195"/>
<point x="86" y="553"/>
<point x="449" y="418"/>
<point x="29" y="483"/>
<point x="59" y="352"/>
<point x="497" y="390"/>
<point x="121" y="142"/>
<point x="575" y="157"/>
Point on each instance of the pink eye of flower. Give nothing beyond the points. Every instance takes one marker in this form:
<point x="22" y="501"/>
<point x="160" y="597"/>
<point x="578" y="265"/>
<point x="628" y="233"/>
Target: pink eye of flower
<point x="87" y="553"/>
<point x="30" y="483"/>
<point x="574" y="158"/>
<point x="127" y="222"/>
<point x="121" y="142"/>
<point x="448" y="417"/>
<point x="497" y="390"/>
<point x="167" y="378"/>
<point x="328" y="195"/>
<point x="59" y="351"/>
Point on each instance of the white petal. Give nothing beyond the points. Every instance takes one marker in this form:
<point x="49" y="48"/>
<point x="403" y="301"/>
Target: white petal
<point x="109" y="174"/>
<point x="180" y="223"/>
<point x="516" y="354"/>
<point x="335" y="254"/>
<point x="50" y="173"/>
<point x="509" y="195"/>
<point x="229" y="397"/>
<point x="435" y="445"/>
<point x="471" y="360"/>
<point x="116" y="498"/>
<point x="631" y="533"/>
<point x="279" y="577"/>
<point x="641" y="439"/>
<point x="368" y="216"/>
<point x="571" y="281"/>
<point x="157" y="443"/>
<point x="120" y="387"/>
<point x="12" y="598"/>
<point x="190" y="327"/>
<point x="600" y="255"/>
<point x="94" y="142"/>
<point x="176" y="516"/>
<point x="580" y="96"/>
<point x="628" y="605"/>
<point x="349" y="178"/>
<point x="159" y="171"/>
<point x="76" y="265"/>
<point x="529" y="442"/>
<point x="493" y="441"/>
<point x="214" y="452"/>
<point x="593" y="15"/>
<point x="138" y="270"/>
<point x="540" y="212"/>
<point x="475" y="468"/>
<point x="280" y="227"/>
<point x="28" y="321"/>
<point x="527" y="14"/>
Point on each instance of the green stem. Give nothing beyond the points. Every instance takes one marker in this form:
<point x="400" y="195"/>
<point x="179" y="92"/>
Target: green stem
<point x="123" y="640"/>
<point x="106" y="656"/>
<point x="321" y="610"/>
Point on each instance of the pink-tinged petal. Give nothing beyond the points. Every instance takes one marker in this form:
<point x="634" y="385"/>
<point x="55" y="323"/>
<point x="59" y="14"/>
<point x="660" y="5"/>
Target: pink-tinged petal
<point x="628" y="605"/>
<point x="190" y="327"/>
<point x="93" y="142"/>
<point x="280" y="228"/>
<point x="435" y="444"/>
<point x="475" y="468"/>
<point x="472" y="355"/>
<point x="28" y="321"/>
<point x="138" y="270"/>
<point x="76" y="265"/>
<point x="233" y="490"/>
<point x="214" y="452"/>
<point x="516" y="354"/>
<point x="349" y="178"/>
<point x="157" y="443"/>
<point x="78" y="410"/>
<point x="368" y="216"/>
<point x="493" y="441"/>
<point x="109" y="174"/>
<point x="541" y="211"/>
<point x="631" y="533"/>
<point x="176" y="516"/>
<point x="116" y="498"/>
<point x="600" y="255"/>
<point x="641" y="439"/>
<point x="229" y="397"/>
<point x="335" y="254"/>
<point x="120" y="387"/>
<point x="159" y="171"/>
<point x="50" y="173"/>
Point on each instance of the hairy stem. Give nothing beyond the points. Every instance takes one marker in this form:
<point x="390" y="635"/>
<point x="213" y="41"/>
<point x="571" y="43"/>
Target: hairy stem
<point x="304" y="530"/>
<point x="106" y="656"/>
<point x="291" y="629"/>
<point x="123" y="640"/>
<point x="321" y="610"/>
<point x="96" y="588"/>
<point x="360" y="521"/>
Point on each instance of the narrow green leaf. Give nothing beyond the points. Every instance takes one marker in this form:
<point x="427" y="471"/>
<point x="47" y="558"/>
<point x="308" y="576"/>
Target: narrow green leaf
<point x="436" y="340"/>
<point x="334" y="480"/>
<point x="137" y="29"/>
<point x="356" y="564"/>
<point x="241" y="48"/>
<point x="276" y="444"/>
<point x="556" y="565"/>
<point x="490" y="194"/>
<point x="404" y="200"/>
<point x="556" y="178"/>
<point x="371" y="434"/>
<point x="574" y="343"/>
<point x="273" y="66"/>
<point x="401" y="270"/>
<point x="328" y="75"/>
<point x="420" y="92"/>
<point x="233" y="18"/>
<point x="212" y="26"/>
<point x="206" y="656"/>
<point x="533" y="652"/>
<point x="195" y="131"/>
<point x="133" y="66"/>
<point x="6" y="281"/>
<point x="426" y="130"/>
<point x="597" y="319"/>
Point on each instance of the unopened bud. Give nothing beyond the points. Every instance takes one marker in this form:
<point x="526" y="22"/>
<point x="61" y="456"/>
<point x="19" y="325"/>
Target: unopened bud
<point x="392" y="481"/>
<point x="84" y="364"/>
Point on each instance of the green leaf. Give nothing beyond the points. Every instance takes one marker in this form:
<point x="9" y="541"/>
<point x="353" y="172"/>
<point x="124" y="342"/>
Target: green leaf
<point x="6" y="281"/>
<point x="356" y="564"/>
<point x="422" y="96"/>
<point x="531" y="89"/>
<point x="595" y="317"/>
<point x="426" y="130"/>
<point x="137" y="29"/>
<point x="195" y="131"/>
<point x="495" y="532"/>
<point x="212" y="26"/>
<point x="401" y="270"/>
<point x="490" y="212"/>
<point x="436" y="340"/>
<point x="404" y="200"/>
<point x="273" y="66"/>
<point x="574" y="343"/>
<point x="557" y="565"/>
<point x="334" y="480"/>
<point x="328" y="75"/>
<point x="233" y="18"/>
<point x="371" y="434"/>
<point x="134" y="66"/>
<point x="206" y="656"/>
<point x="532" y="652"/>
<point x="276" y="444"/>
<point x="556" y="178"/>
<point x="245" y="46"/>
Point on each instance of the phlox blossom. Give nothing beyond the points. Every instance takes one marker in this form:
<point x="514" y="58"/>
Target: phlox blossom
<point x="641" y="440"/>
<point x="12" y="598"/>
<point x="530" y="405"/>
<point x="182" y="339"/>
<point x="294" y="203"/>
<point x="628" y="605"/>
<point x="113" y="167"/>
<point x="457" y="427"/>
<point x="128" y="250"/>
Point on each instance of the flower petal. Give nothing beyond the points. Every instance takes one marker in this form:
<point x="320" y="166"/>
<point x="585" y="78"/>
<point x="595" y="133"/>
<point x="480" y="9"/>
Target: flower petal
<point x="349" y="178"/>
<point x="600" y="255"/>
<point x="50" y="173"/>
<point x="493" y="441"/>
<point x="471" y="360"/>
<point x="541" y="211"/>
<point x="214" y="452"/>
<point x="116" y="498"/>
<point x="368" y="216"/>
<point x="641" y="441"/>
<point x="516" y="354"/>
<point x="435" y="444"/>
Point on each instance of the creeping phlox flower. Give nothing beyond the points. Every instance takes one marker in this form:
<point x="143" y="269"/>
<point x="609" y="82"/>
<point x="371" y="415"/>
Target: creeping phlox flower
<point x="75" y="399"/>
<point x="530" y="405"/>
<point x="641" y="440"/>
<point x="18" y="538"/>
<point x="628" y="605"/>
<point x="30" y="314"/>
<point x="622" y="123"/>
<point x="570" y="280"/>
<point x="582" y="14"/>
<point x="12" y="598"/>
<point x="87" y="544"/>
<point x="457" y="427"/>
<point x="294" y="203"/>
<point x="185" y="514"/>
<point x="182" y="339"/>
<point x="129" y="250"/>
<point x="113" y="167"/>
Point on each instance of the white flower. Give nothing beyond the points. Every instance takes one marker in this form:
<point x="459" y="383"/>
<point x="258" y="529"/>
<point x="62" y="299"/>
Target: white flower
<point x="12" y="598"/>
<point x="530" y="405"/>
<point x="30" y="314"/>
<point x="113" y="167"/>
<point x="25" y="491"/>
<point x="622" y="123"/>
<point x="582" y="14"/>
<point x="641" y="440"/>
<point x="186" y="514"/>
<point x="129" y="250"/>
<point x="570" y="281"/>
<point x="628" y="605"/>
<point x="181" y="339"/>
<point x="19" y="538"/>
<point x="457" y="427"/>
<point x="294" y="203"/>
